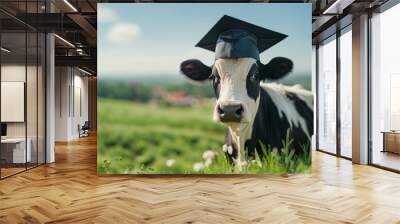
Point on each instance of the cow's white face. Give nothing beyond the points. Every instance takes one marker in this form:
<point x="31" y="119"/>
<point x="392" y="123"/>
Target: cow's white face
<point x="236" y="84"/>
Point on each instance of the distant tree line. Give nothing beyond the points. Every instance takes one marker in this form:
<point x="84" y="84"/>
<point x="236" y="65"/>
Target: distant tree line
<point x="124" y="90"/>
<point x="136" y="91"/>
<point x="143" y="91"/>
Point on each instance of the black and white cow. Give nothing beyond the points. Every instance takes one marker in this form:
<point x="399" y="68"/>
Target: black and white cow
<point x="255" y="111"/>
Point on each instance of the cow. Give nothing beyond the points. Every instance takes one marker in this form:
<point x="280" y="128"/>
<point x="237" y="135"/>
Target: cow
<point x="256" y="112"/>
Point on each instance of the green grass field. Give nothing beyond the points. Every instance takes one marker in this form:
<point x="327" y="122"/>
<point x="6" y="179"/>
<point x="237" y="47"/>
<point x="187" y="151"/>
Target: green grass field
<point x="137" y="138"/>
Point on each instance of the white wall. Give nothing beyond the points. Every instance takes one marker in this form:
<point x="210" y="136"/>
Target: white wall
<point x="71" y="102"/>
<point x="80" y="105"/>
<point x="62" y="82"/>
<point x="16" y="73"/>
<point x="33" y="126"/>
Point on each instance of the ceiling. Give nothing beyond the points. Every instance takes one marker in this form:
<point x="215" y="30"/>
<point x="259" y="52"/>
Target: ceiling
<point x="75" y="22"/>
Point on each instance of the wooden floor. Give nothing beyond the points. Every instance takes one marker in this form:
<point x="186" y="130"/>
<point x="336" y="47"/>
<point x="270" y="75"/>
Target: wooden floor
<point x="70" y="191"/>
<point x="8" y="171"/>
<point x="5" y="172"/>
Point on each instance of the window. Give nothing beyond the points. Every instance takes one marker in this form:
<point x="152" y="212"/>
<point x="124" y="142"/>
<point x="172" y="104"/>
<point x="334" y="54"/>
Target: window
<point x="327" y="96"/>
<point x="385" y="89"/>
<point x="346" y="93"/>
<point x="314" y="90"/>
<point x="333" y="137"/>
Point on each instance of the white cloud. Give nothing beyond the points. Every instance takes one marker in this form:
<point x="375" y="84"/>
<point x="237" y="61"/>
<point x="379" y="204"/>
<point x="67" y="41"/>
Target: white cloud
<point x="153" y="59"/>
<point x="130" y="64"/>
<point x="105" y="15"/>
<point x="121" y="33"/>
<point x="124" y="61"/>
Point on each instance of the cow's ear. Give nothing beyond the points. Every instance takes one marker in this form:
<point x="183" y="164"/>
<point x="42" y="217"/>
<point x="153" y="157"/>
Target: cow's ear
<point x="276" y="68"/>
<point x="195" y="70"/>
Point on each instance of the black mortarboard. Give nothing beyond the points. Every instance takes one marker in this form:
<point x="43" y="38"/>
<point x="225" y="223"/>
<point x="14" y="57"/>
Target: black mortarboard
<point x="234" y="38"/>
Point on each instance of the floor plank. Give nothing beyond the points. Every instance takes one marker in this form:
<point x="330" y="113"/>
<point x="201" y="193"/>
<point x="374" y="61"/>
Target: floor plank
<point x="69" y="191"/>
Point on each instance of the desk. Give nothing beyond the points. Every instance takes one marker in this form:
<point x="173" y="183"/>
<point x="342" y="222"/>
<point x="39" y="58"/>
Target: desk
<point x="391" y="141"/>
<point x="13" y="150"/>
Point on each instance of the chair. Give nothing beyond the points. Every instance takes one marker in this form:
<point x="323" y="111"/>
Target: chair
<point x="84" y="129"/>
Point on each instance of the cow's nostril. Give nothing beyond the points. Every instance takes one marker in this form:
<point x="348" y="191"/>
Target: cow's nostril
<point x="230" y="112"/>
<point x="239" y="111"/>
<point x="220" y="111"/>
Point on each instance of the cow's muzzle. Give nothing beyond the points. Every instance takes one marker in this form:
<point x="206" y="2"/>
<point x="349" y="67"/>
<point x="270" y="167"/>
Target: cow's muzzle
<point x="230" y="112"/>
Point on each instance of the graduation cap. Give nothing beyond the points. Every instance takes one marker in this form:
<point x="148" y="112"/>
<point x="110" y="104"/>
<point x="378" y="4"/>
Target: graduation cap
<point x="234" y="38"/>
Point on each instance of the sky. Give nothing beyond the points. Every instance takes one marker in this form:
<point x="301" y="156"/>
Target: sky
<point x="153" y="39"/>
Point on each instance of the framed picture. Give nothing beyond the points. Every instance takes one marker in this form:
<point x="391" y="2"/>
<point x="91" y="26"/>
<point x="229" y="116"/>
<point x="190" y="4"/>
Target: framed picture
<point x="204" y="88"/>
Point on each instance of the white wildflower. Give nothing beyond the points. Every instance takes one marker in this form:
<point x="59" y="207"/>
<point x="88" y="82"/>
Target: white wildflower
<point x="208" y="162"/>
<point x="230" y="150"/>
<point x="170" y="162"/>
<point x="225" y="148"/>
<point x="198" y="167"/>
<point x="209" y="154"/>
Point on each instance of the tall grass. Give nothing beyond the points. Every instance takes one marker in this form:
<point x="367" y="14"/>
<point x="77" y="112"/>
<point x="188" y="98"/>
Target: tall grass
<point x="136" y="138"/>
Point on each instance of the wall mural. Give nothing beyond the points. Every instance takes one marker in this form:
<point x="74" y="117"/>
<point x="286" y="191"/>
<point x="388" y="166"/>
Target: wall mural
<point x="204" y="88"/>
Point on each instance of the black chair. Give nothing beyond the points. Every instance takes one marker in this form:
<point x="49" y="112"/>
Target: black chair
<point x="84" y="130"/>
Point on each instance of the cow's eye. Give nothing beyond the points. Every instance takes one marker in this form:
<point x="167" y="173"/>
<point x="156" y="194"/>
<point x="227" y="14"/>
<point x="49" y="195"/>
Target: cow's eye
<point x="215" y="77"/>
<point x="254" y="74"/>
<point x="215" y="82"/>
<point x="255" y="77"/>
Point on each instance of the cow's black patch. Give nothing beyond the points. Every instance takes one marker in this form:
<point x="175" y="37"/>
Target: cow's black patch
<point x="270" y="129"/>
<point x="268" y="126"/>
<point x="253" y="82"/>
<point x="304" y="111"/>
